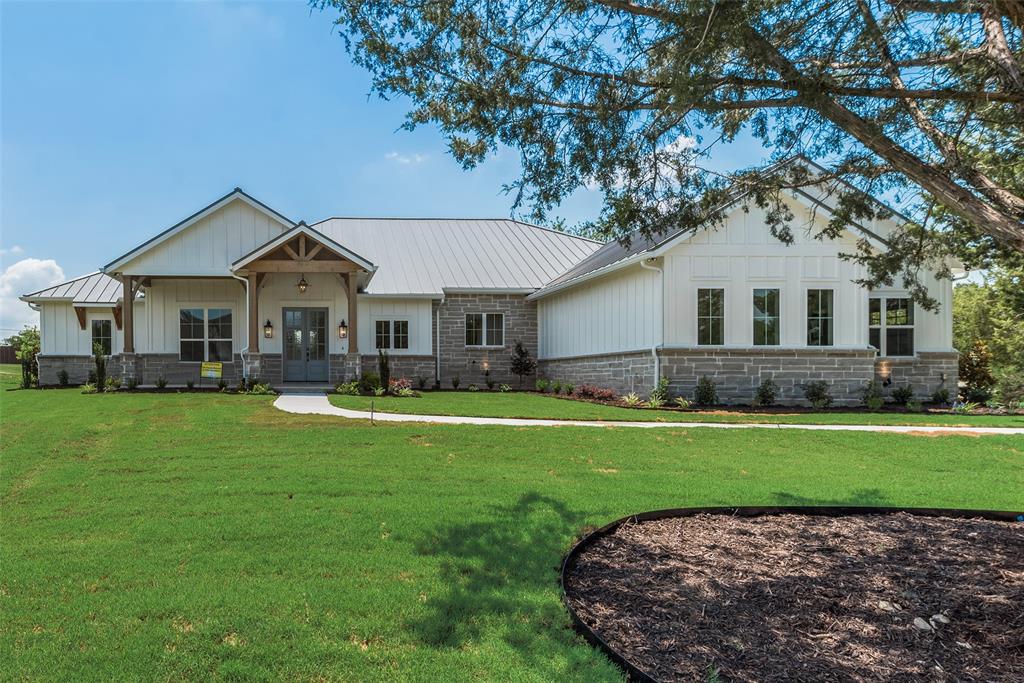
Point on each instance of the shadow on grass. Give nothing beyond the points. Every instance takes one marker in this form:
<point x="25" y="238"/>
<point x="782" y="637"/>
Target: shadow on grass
<point x="502" y="581"/>
<point x="856" y="498"/>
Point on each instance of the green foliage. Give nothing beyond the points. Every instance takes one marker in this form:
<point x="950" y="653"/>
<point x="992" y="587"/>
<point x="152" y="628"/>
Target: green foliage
<point x="631" y="98"/>
<point x="1009" y="388"/>
<point x="347" y="388"/>
<point x="991" y="314"/>
<point x="556" y="387"/>
<point x="190" y="384"/>
<point x="817" y="393"/>
<point x="874" y="403"/>
<point x="161" y="382"/>
<point x="682" y="402"/>
<point x="766" y="394"/>
<point x="369" y="382"/>
<point x="914" y="406"/>
<point x="488" y="380"/>
<point x="455" y="381"/>
<point x="405" y="392"/>
<point x="260" y="389"/>
<point x="569" y="388"/>
<point x="655" y="402"/>
<point x="941" y="396"/>
<point x="902" y="395"/>
<point x="976" y="373"/>
<point x="472" y="387"/>
<point x="132" y="383"/>
<point x="706" y="393"/>
<point x="222" y="384"/>
<point x="379" y="391"/>
<point x="543" y="385"/>
<point x="632" y="399"/>
<point x="383" y="368"/>
<point x="89" y="388"/>
<point x="112" y="385"/>
<point x="659" y="396"/>
<point x="871" y="394"/>
<point x="100" y="362"/>
<point x="522" y="362"/>
<point x="504" y="388"/>
<point x="62" y="377"/>
<point x="964" y="407"/>
<point x="421" y="382"/>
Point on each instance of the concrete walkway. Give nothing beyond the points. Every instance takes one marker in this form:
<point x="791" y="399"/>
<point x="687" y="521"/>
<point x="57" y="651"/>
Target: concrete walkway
<point x="317" y="404"/>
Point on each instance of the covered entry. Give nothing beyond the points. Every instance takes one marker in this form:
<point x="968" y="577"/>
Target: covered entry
<point x="305" y="344"/>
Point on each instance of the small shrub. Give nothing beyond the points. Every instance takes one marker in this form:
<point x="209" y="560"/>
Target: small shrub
<point x="591" y="391"/>
<point x="874" y="403"/>
<point x="397" y="385"/>
<point x="975" y="373"/>
<point x="472" y="387"/>
<point x="1009" y="387"/>
<point x="241" y="386"/>
<point x="369" y="382"/>
<point x="817" y="393"/>
<point x="941" y="396"/>
<point x="631" y="399"/>
<point x="964" y="407"/>
<point x="62" y="377"/>
<point x="379" y="391"/>
<point x="872" y="390"/>
<point x="112" y="384"/>
<point x="383" y="368"/>
<point x="683" y="402"/>
<point x="190" y="384"/>
<point x="406" y="392"/>
<point x="556" y="387"/>
<point x="421" y="382"/>
<point x="568" y="388"/>
<point x="347" y="388"/>
<point x="655" y="402"/>
<point x="705" y="394"/>
<point x="504" y="388"/>
<point x="902" y="395"/>
<point x="100" y="361"/>
<point x="522" y="362"/>
<point x="455" y="381"/>
<point x="659" y="395"/>
<point x="914" y="406"/>
<point x="767" y="393"/>
<point x="489" y="381"/>
<point x="92" y="378"/>
<point x="161" y="382"/>
<point x="543" y="385"/>
<point x="260" y="389"/>
<point x="89" y="388"/>
<point x="222" y="384"/>
<point x="132" y="383"/>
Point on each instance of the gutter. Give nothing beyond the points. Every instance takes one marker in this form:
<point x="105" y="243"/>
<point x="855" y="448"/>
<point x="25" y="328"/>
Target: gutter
<point x="245" y="350"/>
<point x="437" y="341"/>
<point x="659" y="337"/>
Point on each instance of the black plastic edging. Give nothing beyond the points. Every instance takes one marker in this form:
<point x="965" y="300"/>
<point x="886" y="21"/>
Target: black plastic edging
<point x="633" y="673"/>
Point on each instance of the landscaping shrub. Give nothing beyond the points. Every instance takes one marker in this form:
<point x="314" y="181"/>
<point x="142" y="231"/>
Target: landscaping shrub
<point x="260" y="388"/>
<point x="941" y="396"/>
<point x="488" y="380"/>
<point x="399" y="384"/>
<point x="190" y="384"/>
<point x="369" y="382"/>
<point x="1009" y="388"/>
<point x="112" y="384"/>
<point x="504" y="388"/>
<point x="62" y="377"/>
<point x="347" y="388"/>
<point x="543" y="385"/>
<point x="568" y="388"/>
<point x="100" y="361"/>
<point x="817" y="393"/>
<point x="901" y="395"/>
<point x="383" y="368"/>
<point x="405" y="392"/>
<point x="659" y="396"/>
<point x="92" y="379"/>
<point x="767" y="393"/>
<point x="379" y="391"/>
<point x="871" y="395"/>
<point x="222" y="384"/>
<point x="132" y="383"/>
<point x="421" y="382"/>
<point x="591" y="391"/>
<point x="683" y="402"/>
<point x="976" y="374"/>
<point x="706" y="394"/>
<point x="522" y="362"/>
<point x="89" y="388"/>
<point x="964" y="407"/>
<point x="26" y="351"/>
<point x="556" y="387"/>
<point x="455" y="381"/>
<point x="914" y="406"/>
<point x="631" y="399"/>
<point x="161" y="382"/>
<point x="472" y="387"/>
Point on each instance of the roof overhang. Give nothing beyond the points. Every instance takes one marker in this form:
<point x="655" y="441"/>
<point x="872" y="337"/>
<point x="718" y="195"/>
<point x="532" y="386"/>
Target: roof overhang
<point x="235" y="195"/>
<point x="288" y="236"/>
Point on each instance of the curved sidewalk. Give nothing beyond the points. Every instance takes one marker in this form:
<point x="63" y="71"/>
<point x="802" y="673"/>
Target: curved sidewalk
<point x="317" y="404"/>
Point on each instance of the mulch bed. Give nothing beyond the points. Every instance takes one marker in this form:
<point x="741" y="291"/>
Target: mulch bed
<point x="890" y="597"/>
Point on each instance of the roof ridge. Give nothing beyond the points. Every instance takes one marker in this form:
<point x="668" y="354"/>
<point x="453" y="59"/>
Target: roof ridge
<point x="463" y="219"/>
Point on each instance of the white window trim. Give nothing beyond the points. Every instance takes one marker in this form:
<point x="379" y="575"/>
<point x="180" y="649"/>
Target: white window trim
<point x="483" y="331"/>
<point x="782" y="307"/>
<point x="391" y="334"/>
<point x="807" y="317"/>
<point x="113" y="334"/>
<point x="882" y="326"/>
<point x="206" y="331"/>
<point x="725" y="315"/>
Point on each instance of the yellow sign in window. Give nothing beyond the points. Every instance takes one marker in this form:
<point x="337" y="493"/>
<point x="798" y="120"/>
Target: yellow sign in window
<point x="211" y="370"/>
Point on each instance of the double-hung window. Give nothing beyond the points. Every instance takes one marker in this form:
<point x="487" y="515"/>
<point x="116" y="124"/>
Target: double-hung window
<point x="205" y="334"/>
<point x="710" y="316"/>
<point x="891" y="325"/>
<point x="102" y="335"/>
<point x="766" y="317"/>
<point x="392" y="334"/>
<point x="485" y="329"/>
<point x="819" y="317"/>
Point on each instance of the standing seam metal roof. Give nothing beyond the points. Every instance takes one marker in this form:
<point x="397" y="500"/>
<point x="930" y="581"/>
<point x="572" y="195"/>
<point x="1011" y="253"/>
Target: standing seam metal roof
<point x="94" y="288"/>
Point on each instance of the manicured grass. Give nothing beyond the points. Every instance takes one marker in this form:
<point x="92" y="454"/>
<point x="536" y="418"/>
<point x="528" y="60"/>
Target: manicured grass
<point x="540" y="406"/>
<point x="212" y="537"/>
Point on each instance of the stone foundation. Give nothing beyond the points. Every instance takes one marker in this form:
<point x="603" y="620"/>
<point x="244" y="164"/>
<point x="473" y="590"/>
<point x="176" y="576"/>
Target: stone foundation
<point x="925" y="373"/>
<point x="623" y="372"/>
<point x="78" y="368"/>
<point x="151" y="366"/>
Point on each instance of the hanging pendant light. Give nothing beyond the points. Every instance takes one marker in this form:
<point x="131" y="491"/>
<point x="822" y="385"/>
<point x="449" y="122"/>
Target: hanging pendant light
<point x="302" y="285"/>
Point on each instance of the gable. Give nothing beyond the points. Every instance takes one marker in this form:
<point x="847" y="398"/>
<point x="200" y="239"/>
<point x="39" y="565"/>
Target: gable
<point x="207" y="242"/>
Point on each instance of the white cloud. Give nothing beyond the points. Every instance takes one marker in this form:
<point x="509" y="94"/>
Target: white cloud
<point x="13" y="251"/>
<point x="26" y="276"/>
<point x="406" y="159"/>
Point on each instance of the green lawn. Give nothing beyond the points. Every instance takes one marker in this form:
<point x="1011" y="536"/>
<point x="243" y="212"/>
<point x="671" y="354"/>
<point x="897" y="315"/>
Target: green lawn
<point x="531" y="405"/>
<point x="212" y="537"/>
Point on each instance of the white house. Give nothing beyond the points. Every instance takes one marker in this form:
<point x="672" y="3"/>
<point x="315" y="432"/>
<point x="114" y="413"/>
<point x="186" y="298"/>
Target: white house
<point x="284" y="302"/>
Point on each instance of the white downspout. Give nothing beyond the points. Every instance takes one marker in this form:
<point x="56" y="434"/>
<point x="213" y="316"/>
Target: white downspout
<point x="659" y="337"/>
<point x="437" y="341"/>
<point x="245" y="350"/>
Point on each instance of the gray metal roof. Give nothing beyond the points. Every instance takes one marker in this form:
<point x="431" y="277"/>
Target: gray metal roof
<point x="434" y="255"/>
<point x="95" y="288"/>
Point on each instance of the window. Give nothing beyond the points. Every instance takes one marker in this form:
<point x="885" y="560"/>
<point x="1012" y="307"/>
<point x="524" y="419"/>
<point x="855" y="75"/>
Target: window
<point x="485" y="329"/>
<point x="102" y="335"/>
<point x="710" y="316"/>
<point x="766" y="317"/>
<point x="392" y="334"/>
<point x="205" y="334"/>
<point x="819" y="317"/>
<point x="891" y="325"/>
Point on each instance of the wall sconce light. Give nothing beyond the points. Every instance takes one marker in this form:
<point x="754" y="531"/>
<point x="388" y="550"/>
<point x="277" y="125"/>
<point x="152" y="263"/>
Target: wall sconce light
<point x="302" y="285"/>
<point x="343" y="329"/>
<point x="268" y="329"/>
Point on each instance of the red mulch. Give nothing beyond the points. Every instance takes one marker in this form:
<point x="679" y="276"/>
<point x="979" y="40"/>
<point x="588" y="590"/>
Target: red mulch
<point x="809" y="598"/>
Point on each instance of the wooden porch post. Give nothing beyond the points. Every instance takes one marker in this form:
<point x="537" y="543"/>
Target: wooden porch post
<point x="254" y="311"/>
<point x="128" y="312"/>
<point x="353" y="326"/>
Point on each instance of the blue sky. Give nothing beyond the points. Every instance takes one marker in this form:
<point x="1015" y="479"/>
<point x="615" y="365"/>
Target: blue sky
<point x="119" y="119"/>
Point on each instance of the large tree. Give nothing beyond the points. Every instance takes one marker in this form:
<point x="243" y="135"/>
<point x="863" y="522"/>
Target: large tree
<point x="919" y="98"/>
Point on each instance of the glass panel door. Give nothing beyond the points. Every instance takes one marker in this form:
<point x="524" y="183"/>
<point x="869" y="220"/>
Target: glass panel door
<point x="305" y="345"/>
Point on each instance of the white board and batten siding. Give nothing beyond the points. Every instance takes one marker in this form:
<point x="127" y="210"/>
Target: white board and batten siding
<point x="62" y="335"/>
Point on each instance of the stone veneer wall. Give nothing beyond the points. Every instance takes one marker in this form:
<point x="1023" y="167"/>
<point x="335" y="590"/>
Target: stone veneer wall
<point x="738" y="372"/>
<point x="469" y="363"/>
<point x="623" y="372"/>
<point x="923" y="372"/>
<point x="78" y="368"/>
